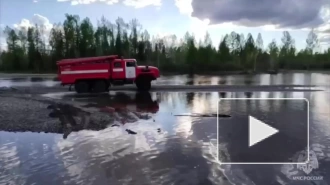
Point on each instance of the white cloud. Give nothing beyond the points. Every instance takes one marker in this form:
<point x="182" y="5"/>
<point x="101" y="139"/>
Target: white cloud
<point x="193" y="8"/>
<point x="43" y="23"/>
<point x="325" y="40"/>
<point x="184" y="6"/>
<point x="199" y="27"/>
<point x="324" y="33"/>
<point x="132" y="3"/>
<point x="24" y="24"/>
<point x="76" y="2"/>
<point x="3" y="44"/>
<point x="111" y="2"/>
<point x="264" y="12"/>
<point x="142" y="3"/>
<point x="37" y="19"/>
<point x="275" y="28"/>
<point x="217" y="14"/>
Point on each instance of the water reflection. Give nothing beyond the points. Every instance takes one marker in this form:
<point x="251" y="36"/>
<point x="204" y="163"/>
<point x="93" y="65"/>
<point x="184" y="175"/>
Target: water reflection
<point x="26" y="82"/>
<point x="9" y="162"/>
<point x="222" y="94"/>
<point x="248" y="94"/>
<point x="166" y="149"/>
<point x="222" y="81"/>
<point x="190" y="98"/>
<point x="142" y="102"/>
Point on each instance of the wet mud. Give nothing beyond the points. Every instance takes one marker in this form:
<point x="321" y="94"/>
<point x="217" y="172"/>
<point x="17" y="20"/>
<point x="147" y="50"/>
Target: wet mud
<point x="25" y="112"/>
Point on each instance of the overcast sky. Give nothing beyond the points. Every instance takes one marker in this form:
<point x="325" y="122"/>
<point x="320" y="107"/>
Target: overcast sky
<point x="269" y="17"/>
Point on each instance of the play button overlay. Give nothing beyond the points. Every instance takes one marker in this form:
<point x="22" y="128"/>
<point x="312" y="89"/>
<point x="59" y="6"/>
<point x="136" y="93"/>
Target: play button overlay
<point x="262" y="130"/>
<point x="258" y="131"/>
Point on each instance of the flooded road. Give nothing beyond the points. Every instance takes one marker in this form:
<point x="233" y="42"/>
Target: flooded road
<point x="165" y="148"/>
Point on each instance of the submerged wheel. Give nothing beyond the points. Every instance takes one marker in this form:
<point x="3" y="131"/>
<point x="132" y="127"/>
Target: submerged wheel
<point x="143" y="84"/>
<point x="81" y="87"/>
<point x="100" y="86"/>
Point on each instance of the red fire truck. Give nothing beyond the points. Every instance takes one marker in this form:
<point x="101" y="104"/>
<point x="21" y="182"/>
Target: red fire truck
<point x="97" y="74"/>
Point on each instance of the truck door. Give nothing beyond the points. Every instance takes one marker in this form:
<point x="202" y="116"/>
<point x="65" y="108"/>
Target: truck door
<point x="130" y="70"/>
<point x="118" y="70"/>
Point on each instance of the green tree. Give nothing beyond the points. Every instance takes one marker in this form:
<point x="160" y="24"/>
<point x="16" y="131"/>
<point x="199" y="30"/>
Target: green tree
<point x="260" y="42"/>
<point x="274" y="52"/>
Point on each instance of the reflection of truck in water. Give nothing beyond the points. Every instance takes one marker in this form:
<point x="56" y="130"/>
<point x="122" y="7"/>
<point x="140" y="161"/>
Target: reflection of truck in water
<point x="97" y="74"/>
<point x="121" y="107"/>
<point x="138" y="102"/>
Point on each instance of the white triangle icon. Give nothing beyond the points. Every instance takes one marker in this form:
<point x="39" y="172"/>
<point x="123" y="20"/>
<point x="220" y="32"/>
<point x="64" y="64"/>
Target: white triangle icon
<point x="259" y="131"/>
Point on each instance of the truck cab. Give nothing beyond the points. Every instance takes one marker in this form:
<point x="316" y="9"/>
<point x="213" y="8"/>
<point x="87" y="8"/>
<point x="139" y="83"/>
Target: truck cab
<point x="126" y="71"/>
<point x="97" y="74"/>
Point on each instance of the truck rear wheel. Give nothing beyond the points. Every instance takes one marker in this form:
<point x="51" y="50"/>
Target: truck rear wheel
<point x="100" y="86"/>
<point x="143" y="84"/>
<point x="81" y="87"/>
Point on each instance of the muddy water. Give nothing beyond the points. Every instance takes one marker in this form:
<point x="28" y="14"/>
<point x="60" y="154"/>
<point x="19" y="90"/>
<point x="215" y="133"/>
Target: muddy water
<point x="166" y="149"/>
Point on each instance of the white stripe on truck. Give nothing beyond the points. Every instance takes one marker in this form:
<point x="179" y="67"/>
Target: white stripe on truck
<point x="118" y="70"/>
<point x="84" y="71"/>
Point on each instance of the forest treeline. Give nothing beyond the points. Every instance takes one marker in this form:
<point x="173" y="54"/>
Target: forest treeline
<point x="29" y="50"/>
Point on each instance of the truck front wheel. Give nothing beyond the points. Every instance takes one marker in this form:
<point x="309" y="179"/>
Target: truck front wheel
<point x="81" y="87"/>
<point x="143" y="84"/>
